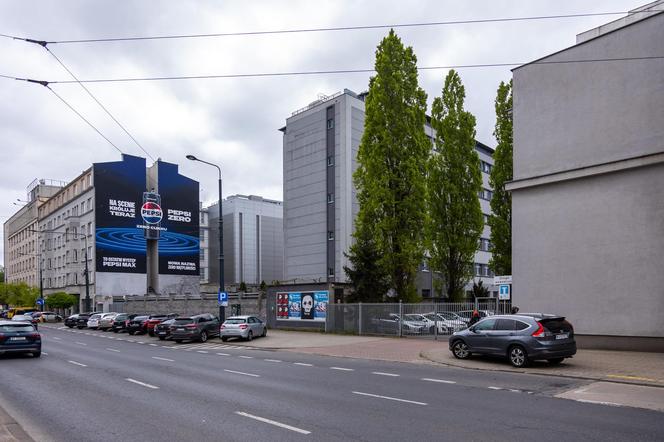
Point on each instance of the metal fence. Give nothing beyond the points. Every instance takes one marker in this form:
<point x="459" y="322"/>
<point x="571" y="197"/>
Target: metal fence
<point x="399" y="319"/>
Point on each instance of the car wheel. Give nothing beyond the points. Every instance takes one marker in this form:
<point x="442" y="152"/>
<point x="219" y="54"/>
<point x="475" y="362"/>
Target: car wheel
<point x="70" y="326"/>
<point x="460" y="350"/>
<point x="518" y="356"/>
<point x="115" y="330"/>
<point x="80" y="328"/>
<point x="224" y="338"/>
<point x="162" y="338"/>
<point x="203" y="336"/>
<point x="36" y="354"/>
<point x="555" y="361"/>
<point x="264" y="332"/>
<point x="131" y="332"/>
<point x="179" y="341"/>
<point x="151" y="334"/>
<point x="250" y="335"/>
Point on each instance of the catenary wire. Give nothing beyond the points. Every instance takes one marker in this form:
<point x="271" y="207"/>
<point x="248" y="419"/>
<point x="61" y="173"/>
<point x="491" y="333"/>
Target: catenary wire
<point x="346" y="28"/>
<point x="99" y="103"/>
<point x="338" y="28"/>
<point x="83" y="118"/>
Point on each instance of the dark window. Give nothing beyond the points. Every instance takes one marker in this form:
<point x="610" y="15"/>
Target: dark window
<point x="251" y="321"/>
<point x="557" y="325"/>
<point x="521" y="325"/>
<point x="330" y="160"/>
<point x="330" y="235"/>
<point x="504" y="324"/>
<point x="485" y="325"/>
<point x="330" y="197"/>
<point x="330" y="123"/>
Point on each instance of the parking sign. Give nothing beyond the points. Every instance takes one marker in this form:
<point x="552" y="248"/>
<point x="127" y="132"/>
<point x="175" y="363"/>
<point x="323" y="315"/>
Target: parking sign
<point x="222" y="299"/>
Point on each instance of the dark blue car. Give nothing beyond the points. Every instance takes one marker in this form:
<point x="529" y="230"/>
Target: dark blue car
<point x="19" y="337"/>
<point x="520" y="338"/>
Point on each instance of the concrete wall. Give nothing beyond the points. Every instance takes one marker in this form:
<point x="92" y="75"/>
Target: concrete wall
<point x="588" y="236"/>
<point x="188" y="306"/>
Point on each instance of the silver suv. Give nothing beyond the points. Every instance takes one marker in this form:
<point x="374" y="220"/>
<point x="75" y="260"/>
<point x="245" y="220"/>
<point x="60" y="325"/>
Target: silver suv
<point x="521" y="338"/>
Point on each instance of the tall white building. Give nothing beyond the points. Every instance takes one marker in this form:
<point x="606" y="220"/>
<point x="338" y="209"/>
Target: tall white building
<point x="320" y="145"/>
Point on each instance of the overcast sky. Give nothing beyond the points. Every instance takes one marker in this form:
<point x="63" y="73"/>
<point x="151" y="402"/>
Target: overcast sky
<point x="234" y="122"/>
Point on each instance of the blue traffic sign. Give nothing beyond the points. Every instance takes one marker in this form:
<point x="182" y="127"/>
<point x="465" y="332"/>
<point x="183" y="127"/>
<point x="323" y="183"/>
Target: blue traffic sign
<point x="504" y="291"/>
<point x="40" y="301"/>
<point x="222" y="299"/>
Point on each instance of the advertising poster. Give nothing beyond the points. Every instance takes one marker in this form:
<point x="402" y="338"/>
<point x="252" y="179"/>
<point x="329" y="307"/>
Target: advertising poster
<point x="302" y="306"/>
<point x="179" y="247"/>
<point x="119" y="186"/>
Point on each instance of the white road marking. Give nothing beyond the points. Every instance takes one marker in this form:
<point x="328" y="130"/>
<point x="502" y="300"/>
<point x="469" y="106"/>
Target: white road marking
<point x="120" y="339"/>
<point x="114" y="350"/>
<point x="153" y="345"/>
<point x="77" y="363"/>
<point x="271" y="422"/>
<point x="140" y="342"/>
<point x="342" y="369"/>
<point x="302" y="364"/>
<point x="44" y="353"/>
<point x="380" y="373"/>
<point x="495" y="388"/>
<point x="201" y="351"/>
<point x="56" y="338"/>
<point x="390" y="398"/>
<point x="442" y="381"/>
<point x="269" y="360"/>
<point x="246" y="357"/>
<point x="154" y="387"/>
<point x="223" y="354"/>
<point x="163" y="359"/>
<point x="81" y="343"/>
<point x="588" y="401"/>
<point x="515" y="391"/>
<point x="243" y="373"/>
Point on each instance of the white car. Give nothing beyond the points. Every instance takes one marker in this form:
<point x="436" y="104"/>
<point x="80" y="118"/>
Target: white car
<point x="451" y="321"/>
<point x="94" y="320"/>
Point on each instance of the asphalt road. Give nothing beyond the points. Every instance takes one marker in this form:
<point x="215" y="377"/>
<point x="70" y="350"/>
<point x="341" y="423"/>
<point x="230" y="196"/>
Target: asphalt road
<point x="89" y="387"/>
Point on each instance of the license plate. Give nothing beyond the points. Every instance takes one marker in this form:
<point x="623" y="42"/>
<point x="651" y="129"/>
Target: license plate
<point x="179" y="329"/>
<point x="562" y="336"/>
<point x="18" y="338"/>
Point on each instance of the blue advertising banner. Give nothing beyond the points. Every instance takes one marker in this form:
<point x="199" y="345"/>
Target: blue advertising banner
<point x="302" y="306"/>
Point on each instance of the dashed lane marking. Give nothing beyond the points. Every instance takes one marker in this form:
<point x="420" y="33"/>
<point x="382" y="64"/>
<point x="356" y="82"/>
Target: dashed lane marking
<point x="143" y="384"/>
<point x="441" y="381"/>
<point x="342" y="369"/>
<point x="77" y="363"/>
<point x="303" y="364"/>
<point x="245" y="357"/>
<point x="269" y="360"/>
<point x="494" y="388"/>
<point x="44" y="353"/>
<point x="389" y="398"/>
<point x="223" y="354"/>
<point x="81" y="343"/>
<point x="243" y="373"/>
<point x="381" y="373"/>
<point x="201" y="351"/>
<point x="113" y="350"/>
<point x="163" y="359"/>
<point x="271" y="422"/>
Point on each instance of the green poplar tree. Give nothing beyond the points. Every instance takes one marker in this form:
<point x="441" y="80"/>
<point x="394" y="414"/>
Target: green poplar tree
<point x="392" y="157"/>
<point x="502" y="172"/>
<point x="454" y="182"/>
<point x="369" y="281"/>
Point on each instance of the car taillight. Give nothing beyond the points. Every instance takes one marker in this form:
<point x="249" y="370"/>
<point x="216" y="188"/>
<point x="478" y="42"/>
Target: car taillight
<point x="222" y="327"/>
<point x="244" y="326"/>
<point x="34" y="336"/>
<point x="191" y="326"/>
<point x="539" y="333"/>
<point x="2" y="337"/>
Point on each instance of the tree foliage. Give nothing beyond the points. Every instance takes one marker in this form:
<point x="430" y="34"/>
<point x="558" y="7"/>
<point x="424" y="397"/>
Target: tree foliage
<point x="18" y="294"/>
<point x="502" y="172"/>
<point x="243" y="287"/>
<point x="61" y="300"/>
<point x="369" y="281"/>
<point x="454" y="181"/>
<point x="391" y="167"/>
<point x="480" y="290"/>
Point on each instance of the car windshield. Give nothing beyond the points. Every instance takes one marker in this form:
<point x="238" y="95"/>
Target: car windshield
<point x="140" y="318"/>
<point x="21" y="318"/>
<point x="121" y="317"/>
<point x="412" y="317"/>
<point x="235" y="321"/>
<point x="16" y="328"/>
<point x="95" y="316"/>
<point x="183" y="321"/>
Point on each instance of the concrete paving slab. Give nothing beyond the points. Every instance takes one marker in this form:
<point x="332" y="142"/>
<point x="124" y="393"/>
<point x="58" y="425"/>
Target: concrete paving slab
<point x="609" y="393"/>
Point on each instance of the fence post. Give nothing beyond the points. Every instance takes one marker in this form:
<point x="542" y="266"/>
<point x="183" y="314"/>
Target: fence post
<point x="435" y="322"/>
<point x="359" y="319"/>
<point x="400" y="319"/>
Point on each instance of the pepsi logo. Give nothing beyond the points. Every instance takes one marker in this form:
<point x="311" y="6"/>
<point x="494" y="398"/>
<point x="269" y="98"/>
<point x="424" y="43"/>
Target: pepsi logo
<point x="151" y="212"/>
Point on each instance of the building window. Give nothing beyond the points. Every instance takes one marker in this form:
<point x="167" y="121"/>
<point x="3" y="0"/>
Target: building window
<point x="486" y="218"/>
<point x="330" y="272"/>
<point x="330" y="123"/>
<point x="426" y="293"/>
<point x="330" y="198"/>
<point x="330" y="160"/>
<point x="202" y="254"/>
<point x="330" y="235"/>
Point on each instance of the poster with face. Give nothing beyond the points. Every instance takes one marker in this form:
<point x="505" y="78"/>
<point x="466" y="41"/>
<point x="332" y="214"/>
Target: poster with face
<point x="302" y="306"/>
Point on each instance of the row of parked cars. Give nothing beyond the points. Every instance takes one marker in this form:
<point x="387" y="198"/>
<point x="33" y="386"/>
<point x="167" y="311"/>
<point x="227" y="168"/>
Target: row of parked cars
<point x="442" y="323"/>
<point x="199" y="327"/>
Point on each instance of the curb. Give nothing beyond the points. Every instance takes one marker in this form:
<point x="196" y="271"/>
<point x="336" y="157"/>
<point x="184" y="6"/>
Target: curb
<point x="502" y="370"/>
<point x="10" y="430"/>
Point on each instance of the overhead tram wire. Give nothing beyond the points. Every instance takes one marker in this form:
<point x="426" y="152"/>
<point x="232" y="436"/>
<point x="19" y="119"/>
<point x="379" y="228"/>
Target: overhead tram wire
<point x="346" y="28"/>
<point x="336" y="28"/>
<point x="350" y="71"/>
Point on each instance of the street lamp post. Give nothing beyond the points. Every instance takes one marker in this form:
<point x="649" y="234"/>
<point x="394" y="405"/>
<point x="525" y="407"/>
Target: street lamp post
<point x="222" y="309"/>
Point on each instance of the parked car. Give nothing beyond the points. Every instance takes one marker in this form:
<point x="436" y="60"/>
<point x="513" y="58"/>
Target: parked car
<point x="390" y="325"/>
<point x="106" y="321"/>
<point x="138" y="325"/>
<point x="521" y="338"/>
<point x="163" y="329"/>
<point x="71" y="321"/>
<point x="19" y="337"/>
<point x="93" y="321"/>
<point x="156" y="319"/>
<point x="452" y="321"/>
<point x="198" y="327"/>
<point x="25" y="318"/>
<point x="431" y="323"/>
<point x="245" y="327"/>
<point x="82" y="320"/>
<point x="47" y="317"/>
<point x="121" y="321"/>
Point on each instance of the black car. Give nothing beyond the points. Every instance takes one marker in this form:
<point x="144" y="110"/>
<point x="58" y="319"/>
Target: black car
<point x="163" y="329"/>
<point x="138" y="324"/>
<point x="520" y="338"/>
<point x="195" y="328"/>
<point x="19" y="337"/>
<point x="82" y="320"/>
<point x="70" y="321"/>
<point x="121" y="321"/>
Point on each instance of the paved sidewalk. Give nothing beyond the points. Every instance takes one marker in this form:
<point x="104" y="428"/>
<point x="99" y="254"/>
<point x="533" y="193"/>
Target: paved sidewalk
<point x="612" y="366"/>
<point x="10" y="430"/>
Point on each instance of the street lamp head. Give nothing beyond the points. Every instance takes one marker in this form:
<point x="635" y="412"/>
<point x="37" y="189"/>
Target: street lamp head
<point x="192" y="158"/>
